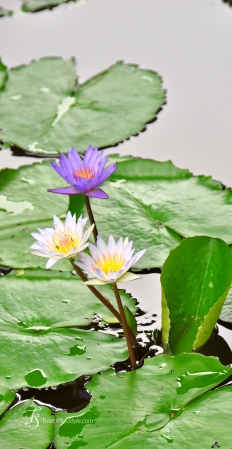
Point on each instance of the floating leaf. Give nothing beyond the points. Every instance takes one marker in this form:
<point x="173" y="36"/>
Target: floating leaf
<point x="6" y="398"/>
<point x="104" y="111"/>
<point x="195" y="280"/>
<point x="41" y="358"/>
<point x="153" y="406"/>
<point x="28" y="426"/>
<point x="39" y="344"/>
<point x="39" y="5"/>
<point x="32" y="297"/>
<point x="154" y="203"/>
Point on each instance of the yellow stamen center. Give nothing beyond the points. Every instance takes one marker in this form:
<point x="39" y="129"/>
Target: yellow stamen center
<point x="86" y="173"/>
<point x="64" y="243"/>
<point x="110" y="263"/>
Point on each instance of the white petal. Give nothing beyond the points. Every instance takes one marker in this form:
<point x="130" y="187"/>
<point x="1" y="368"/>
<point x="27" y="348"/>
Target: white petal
<point x="111" y="245"/>
<point x="58" y="223"/>
<point x="114" y="275"/>
<point x="51" y="262"/>
<point x="35" y="246"/>
<point x="126" y="241"/>
<point x="80" y="248"/>
<point x="87" y="233"/>
<point x="127" y="251"/>
<point x="119" y="246"/>
<point x="38" y="236"/>
<point x="86" y="259"/>
<point x="38" y="253"/>
<point x="69" y="222"/>
<point x="101" y="275"/>
<point x="101" y="245"/>
<point x="137" y="256"/>
<point x="84" y="268"/>
<point x="96" y="254"/>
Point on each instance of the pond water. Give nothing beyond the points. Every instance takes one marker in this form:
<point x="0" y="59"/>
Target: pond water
<point x="188" y="43"/>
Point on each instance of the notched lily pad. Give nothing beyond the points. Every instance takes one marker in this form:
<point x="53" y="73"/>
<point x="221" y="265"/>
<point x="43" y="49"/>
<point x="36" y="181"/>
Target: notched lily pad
<point x="40" y="314"/>
<point x="166" y="401"/>
<point x="41" y="358"/>
<point x="105" y="110"/>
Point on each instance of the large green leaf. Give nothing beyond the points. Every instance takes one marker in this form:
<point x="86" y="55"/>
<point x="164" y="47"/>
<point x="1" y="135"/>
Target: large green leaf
<point x="39" y="346"/>
<point x="6" y="398"/>
<point x="48" y="291"/>
<point x="27" y="426"/>
<point x="152" y="407"/>
<point x="38" y="5"/>
<point x="151" y="202"/>
<point x="105" y="110"/>
<point x="195" y="280"/>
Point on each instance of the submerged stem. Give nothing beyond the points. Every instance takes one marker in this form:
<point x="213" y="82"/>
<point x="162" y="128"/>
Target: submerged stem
<point x="125" y="326"/>
<point x="104" y="301"/>
<point x="91" y="217"/>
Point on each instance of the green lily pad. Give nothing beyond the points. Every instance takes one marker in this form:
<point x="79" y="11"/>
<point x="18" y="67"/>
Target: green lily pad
<point x="161" y="403"/>
<point x="39" y="5"/>
<point x="154" y="203"/>
<point x="104" y="111"/>
<point x="6" y="398"/>
<point x="39" y="345"/>
<point x="74" y="304"/>
<point x="41" y="358"/>
<point x="26" y="426"/>
<point x="195" y="280"/>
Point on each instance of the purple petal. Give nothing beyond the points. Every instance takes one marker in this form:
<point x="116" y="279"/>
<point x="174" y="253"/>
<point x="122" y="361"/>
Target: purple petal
<point x="108" y="171"/>
<point x="75" y="158"/>
<point x="97" y="193"/>
<point x="88" y="154"/>
<point x="101" y="164"/>
<point x="65" y="191"/>
<point x="93" y="160"/>
<point x="58" y="170"/>
<point x="82" y="185"/>
<point x="65" y="164"/>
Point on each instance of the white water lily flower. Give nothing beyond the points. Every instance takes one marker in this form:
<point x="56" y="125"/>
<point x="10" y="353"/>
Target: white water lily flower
<point x="66" y="240"/>
<point x="109" y="263"/>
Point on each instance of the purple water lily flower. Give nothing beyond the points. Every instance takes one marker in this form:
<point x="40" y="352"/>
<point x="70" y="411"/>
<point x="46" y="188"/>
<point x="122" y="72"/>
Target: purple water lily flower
<point x="84" y="176"/>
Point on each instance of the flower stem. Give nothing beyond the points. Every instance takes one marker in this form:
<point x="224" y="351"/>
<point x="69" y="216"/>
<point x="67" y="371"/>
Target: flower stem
<point x="125" y="326"/>
<point x="91" y="217"/>
<point x="105" y="301"/>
